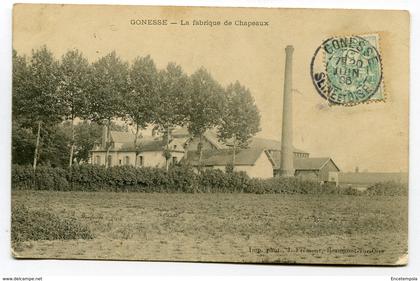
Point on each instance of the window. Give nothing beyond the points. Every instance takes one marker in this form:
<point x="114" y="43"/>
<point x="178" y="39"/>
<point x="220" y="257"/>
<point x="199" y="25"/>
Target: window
<point x="98" y="160"/>
<point x="119" y="161"/>
<point x="109" y="160"/>
<point x="141" y="160"/>
<point x="127" y="160"/>
<point x="174" y="160"/>
<point x="174" y="146"/>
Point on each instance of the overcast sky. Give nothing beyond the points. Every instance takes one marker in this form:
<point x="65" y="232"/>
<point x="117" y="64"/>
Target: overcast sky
<point x="371" y="136"/>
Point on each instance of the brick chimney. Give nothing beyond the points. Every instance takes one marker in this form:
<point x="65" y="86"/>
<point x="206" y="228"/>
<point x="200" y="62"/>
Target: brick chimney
<point x="286" y="162"/>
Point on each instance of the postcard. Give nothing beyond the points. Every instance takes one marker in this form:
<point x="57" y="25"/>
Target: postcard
<point x="239" y="135"/>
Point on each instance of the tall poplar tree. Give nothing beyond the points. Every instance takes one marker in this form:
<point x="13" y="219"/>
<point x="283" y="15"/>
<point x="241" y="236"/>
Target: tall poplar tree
<point x="36" y="102"/>
<point x="241" y="118"/>
<point x="142" y="97"/>
<point x="108" y="87"/>
<point x="205" y="106"/>
<point x="73" y="86"/>
<point x="172" y="93"/>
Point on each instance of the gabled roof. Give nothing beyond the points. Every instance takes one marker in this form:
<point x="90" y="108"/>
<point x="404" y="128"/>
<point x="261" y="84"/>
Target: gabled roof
<point x="269" y="144"/>
<point x="223" y="157"/>
<point x="312" y="163"/>
<point x="254" y="143"/>
<point x="211" y="136"/>
<point x="180" y="132"/>
<point x="147" y="143"/>
<point x="121" y="137"/>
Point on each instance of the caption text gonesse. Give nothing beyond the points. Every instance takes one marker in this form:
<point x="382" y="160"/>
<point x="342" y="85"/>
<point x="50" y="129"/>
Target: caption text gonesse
<point x="199" y="23"/>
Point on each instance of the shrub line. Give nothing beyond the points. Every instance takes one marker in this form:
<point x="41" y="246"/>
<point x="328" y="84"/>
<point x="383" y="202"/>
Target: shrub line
<point x="179" y="178"/>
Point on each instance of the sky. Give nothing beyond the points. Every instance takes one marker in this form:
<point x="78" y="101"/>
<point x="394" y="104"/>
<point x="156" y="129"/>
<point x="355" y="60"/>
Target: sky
<point x="372" y="136"/>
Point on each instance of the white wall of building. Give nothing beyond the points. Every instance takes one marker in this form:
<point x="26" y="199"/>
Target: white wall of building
<point x="150" y="158"/>
<point x="262" y="168"/>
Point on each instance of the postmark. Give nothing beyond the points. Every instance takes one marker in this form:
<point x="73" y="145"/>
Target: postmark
<point x="347" y="70"/>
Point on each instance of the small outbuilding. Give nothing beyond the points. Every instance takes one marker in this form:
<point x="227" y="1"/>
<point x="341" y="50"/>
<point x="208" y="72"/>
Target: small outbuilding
<point x="256" y="163"/>
<point x="320" y="169"/>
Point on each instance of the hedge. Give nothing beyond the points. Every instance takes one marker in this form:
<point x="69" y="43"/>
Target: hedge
<point x="180" y="178"/>
<point x="98" y="178"/>
<point x="44" y="225"/>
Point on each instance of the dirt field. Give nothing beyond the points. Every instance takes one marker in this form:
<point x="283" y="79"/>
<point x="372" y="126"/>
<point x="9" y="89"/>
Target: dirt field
<point x="225" y="227"/>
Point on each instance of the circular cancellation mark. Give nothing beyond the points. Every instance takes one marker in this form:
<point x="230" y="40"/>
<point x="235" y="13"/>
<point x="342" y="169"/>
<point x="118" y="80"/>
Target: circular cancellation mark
<point x="346" y="70"/>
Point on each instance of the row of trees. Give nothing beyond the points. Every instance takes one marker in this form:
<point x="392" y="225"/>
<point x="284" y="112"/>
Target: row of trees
<point x="48" y="92"/>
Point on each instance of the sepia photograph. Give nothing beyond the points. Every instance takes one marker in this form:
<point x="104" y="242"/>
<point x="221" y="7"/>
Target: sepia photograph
<point x="203" y="134"/>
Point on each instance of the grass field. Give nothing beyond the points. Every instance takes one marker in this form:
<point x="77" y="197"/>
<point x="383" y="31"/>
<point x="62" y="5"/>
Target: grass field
<point x="250" y="228"/>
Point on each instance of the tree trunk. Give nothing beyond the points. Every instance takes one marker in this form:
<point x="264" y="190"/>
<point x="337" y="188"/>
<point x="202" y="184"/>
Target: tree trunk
<point x="200" y="150"/>
<point x="167" y="148"/>
<point x="234" y="154"/>
<point x="38" y="136"/>
<point x="108" y="146"/>
<point x="72" y="142"/>
<point x="135" y="145"/>
<point x="186" y="152"/>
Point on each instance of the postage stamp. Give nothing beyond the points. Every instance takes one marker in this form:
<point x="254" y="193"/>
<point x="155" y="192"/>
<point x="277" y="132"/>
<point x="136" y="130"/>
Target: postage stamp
<point x="347" y="70"/>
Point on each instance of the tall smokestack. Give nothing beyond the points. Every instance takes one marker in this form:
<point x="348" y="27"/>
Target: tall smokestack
<point x="286" y="164"/>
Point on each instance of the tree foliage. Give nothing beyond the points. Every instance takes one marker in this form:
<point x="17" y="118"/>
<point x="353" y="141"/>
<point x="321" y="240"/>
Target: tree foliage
<point x="54" y="146"/>
<point x="68" y="101"/>
<point x="36" y="102"/>
<point x="20" y="84"/>
<point x="142" y="101"/>
<point x="74" y="84"/>
<point x="86" y="134"/>
<point x="205" y="105"/>
<point x="36" y="99"/>
<point x="172" y="95"/>
<point x="23" y="144"/>
<point x="109" y="84"/>
<point x="241" y="118"/>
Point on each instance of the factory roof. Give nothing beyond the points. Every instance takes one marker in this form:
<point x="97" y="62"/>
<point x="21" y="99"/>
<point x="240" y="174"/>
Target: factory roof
<point x="121" y="137"/>
<point x="270" y="144"/>
<point x="254" y="143"/>
<point x="312" y="164"/>
<point x="224" y="157"/>
<point x="146" y="143"/>
<point x="182" y="136"/>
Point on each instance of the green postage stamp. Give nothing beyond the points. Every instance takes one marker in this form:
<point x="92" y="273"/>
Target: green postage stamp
<point x="347" y="70"/>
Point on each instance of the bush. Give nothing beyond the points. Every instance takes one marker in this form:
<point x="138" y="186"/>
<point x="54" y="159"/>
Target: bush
<point x="389" y="188"/>
<point x="43" y="225"/>
<point x="22" y="177"/>
<point x="218" y="181"/>
<point x="45" y="178"/>
<point x="182" y="178"/>
<point x="87" y="177"/>
<point x="179" y="178"/>
<point x="48" y="178"/>
<point x="96" y="178"/>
